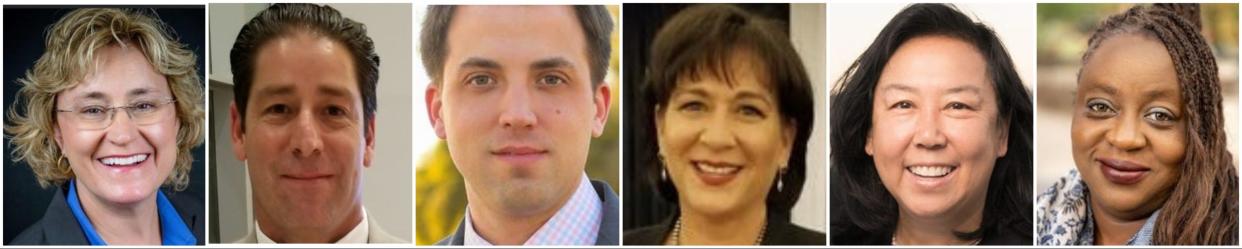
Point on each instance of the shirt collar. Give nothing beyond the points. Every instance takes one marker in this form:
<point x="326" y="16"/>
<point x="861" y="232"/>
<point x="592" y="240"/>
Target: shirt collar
<point x="358" y="235"/>
<point x="173" y="231"/>
<point x="575" y="223"/>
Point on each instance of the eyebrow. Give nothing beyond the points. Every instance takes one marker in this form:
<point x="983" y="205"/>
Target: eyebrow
<point x="554" y="62"/>
<point x="1103" y="88"/>
<point x="752" y="95"/>
<point x="961" y="89"/>
<point x="334" y="91"/>
<point x="97" y="95"/>
<point x="480" y="63"/>
<point x="273" y="91"/>
<point x="898" y="87"/>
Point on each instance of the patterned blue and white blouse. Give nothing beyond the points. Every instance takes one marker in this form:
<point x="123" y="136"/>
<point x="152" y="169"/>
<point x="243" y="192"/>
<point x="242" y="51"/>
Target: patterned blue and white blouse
<point x="1063" y="216"/>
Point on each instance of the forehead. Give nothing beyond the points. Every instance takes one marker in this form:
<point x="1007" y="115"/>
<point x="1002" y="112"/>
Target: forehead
<point x="119" y="72"/>
<point x="515" y="33"/>
<point x="937" y="62"/>
<point x="304" y="60"/>
<point x="1130" y="59"/>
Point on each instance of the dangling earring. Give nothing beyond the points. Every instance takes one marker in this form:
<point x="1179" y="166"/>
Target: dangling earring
<point x="780" y="182"/>
<point x="663" y="168"/>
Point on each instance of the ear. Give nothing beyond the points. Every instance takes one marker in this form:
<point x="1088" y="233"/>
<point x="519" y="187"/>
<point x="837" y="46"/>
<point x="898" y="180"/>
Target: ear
<point x="603" y="100"/>
<point x="432" y="98"/>
<point x="238" y="135"/>
<point x="1003" y="146"/>
<point x="370" y="137"/>
<point x="60" y="140"/>
<point x="869" y="148"/>
<point x="788" y="132"/>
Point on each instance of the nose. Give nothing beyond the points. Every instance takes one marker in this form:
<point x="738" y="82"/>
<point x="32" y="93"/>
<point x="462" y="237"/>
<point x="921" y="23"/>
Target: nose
<point x="307" y="140"/>
<point x="927" y="133"/>
<point x="122" y="131"/>
<point x="717" y="133"/>
<point x="515" y="106"/>
<point x="1126" y="135"/>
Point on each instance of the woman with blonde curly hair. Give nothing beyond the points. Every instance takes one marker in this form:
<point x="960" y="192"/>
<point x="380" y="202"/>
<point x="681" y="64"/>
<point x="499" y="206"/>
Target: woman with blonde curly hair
<point x="108" y="115"/>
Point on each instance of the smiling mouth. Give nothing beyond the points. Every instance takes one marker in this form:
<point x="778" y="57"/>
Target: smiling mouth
<point x="937" y="171"/>
<point x="715" y="173"/>
<point x="124" y="161"/>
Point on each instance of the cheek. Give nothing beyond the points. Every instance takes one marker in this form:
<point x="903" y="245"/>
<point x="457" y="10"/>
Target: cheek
<point x="1085" y="134"/>
<point x="677" y="135"/>
<point x="890" y="136"/>
<point x="1169" y="147"/>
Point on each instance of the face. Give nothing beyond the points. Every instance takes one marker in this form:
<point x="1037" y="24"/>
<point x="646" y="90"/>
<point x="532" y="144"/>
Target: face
<point x="724" y="142"/>
<point x="304" y="140"/>
<point x="517" y="106"/>
<point x="1128" y="129"/>
<point x="935" y="134"/>
<point x="127" y="161"/>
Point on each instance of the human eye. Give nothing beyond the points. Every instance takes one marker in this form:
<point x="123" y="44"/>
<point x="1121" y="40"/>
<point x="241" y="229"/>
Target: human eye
<point x="1100" y="108"/>
<point x="551" y="80"/>
<point x="480" y="80"/>
<point x="904" y="104"/>
<point x="1160" y="116"/>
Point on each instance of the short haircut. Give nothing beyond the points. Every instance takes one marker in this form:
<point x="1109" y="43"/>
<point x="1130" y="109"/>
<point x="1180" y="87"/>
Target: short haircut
<point x="69" y="56"/>
<point x="281" y="20"/>
<point x="700" y="41"/>
<point x="596" y="25"/>
<point x="863" y="205"/>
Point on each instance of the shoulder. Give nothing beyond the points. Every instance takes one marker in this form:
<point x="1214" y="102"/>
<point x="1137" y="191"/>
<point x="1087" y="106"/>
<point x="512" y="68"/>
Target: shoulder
<point x="1061" y="211"/>
<point x="785" y="233"/>
<point x="32" y="235"/>
<point x="648" y="235"/>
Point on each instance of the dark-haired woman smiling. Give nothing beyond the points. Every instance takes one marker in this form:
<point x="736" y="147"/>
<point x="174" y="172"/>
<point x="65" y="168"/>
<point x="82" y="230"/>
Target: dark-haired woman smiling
<point x="725" y="117"/>
<point x="931" y="137"/>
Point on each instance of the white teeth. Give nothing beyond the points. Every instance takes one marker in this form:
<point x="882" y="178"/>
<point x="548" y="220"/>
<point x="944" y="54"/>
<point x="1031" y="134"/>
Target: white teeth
<point x="931" y="171"/>
<point x="124" y="160"/>
<point x="713" y="169"/>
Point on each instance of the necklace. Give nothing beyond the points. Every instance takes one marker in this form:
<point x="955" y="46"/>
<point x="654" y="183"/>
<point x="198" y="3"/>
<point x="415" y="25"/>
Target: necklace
<point x="972" y="243"/>
<point x="676" y="234"/>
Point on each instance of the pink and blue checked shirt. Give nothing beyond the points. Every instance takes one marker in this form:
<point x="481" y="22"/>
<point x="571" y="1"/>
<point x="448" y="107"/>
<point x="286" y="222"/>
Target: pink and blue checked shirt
<point x="576" y="223"/>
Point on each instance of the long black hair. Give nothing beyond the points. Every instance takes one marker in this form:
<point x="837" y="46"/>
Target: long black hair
<point x="861" y="204"/>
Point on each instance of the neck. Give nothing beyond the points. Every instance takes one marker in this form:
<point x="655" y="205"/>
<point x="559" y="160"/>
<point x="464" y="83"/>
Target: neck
<point x="501" y="226"/>
<point x="283" y="233"/>
<point x="740" y="228"/>
<point x="912" y="230"/>
<point x="135" y="223"/>
<point x="1114" y="229"/>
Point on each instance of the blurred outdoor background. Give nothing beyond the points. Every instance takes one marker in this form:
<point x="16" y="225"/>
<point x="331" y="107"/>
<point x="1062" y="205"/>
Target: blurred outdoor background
<point x="441" y="200"/>
<point x="1062" y="37"/>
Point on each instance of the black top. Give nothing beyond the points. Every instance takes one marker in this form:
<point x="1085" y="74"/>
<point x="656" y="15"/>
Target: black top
<point x="59" y="227"/>
<point x="779" y="232"/>
<point x="855" y="236"/>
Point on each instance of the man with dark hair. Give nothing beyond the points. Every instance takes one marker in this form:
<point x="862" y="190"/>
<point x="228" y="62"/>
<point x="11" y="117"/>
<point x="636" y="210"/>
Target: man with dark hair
<point x="304" y="122"/>
<point x="518" y="94"/>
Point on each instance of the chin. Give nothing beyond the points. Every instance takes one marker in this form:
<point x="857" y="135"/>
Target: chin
<point x="927" y="207"/>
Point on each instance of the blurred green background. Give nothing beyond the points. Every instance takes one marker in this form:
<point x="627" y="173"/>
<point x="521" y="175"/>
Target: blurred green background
<point x="1062" y="38"/>
<point x="441" y="195"/>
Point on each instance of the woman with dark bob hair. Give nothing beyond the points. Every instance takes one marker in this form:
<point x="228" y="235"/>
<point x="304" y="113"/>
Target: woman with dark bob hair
<point x="931" y="137"/>
<point x="725" y="114"/>
<point x="1148" y="134"/>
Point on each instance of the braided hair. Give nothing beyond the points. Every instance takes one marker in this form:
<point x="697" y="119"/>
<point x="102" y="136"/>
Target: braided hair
<point x="1202" y="208"/>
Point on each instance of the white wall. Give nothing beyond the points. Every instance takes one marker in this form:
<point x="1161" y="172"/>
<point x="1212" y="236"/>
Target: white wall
<point x="806" y="31"/>
<point x="388" y="183"/>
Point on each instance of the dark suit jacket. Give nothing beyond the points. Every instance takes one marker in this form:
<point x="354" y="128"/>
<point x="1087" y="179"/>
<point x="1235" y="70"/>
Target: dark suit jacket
<point x="59" y="227"/>
<point x="608" y="234"/>
<point x="779" y="232"/>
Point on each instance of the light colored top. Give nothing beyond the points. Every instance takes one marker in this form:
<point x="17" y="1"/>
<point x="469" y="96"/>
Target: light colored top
<point x="358" y="235"/>
<point x="575" y="223"/>
<point x="1063" y="216"/>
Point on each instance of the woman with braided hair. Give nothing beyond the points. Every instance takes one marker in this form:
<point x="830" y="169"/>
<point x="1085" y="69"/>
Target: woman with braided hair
<point x="1148" y="140"/>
